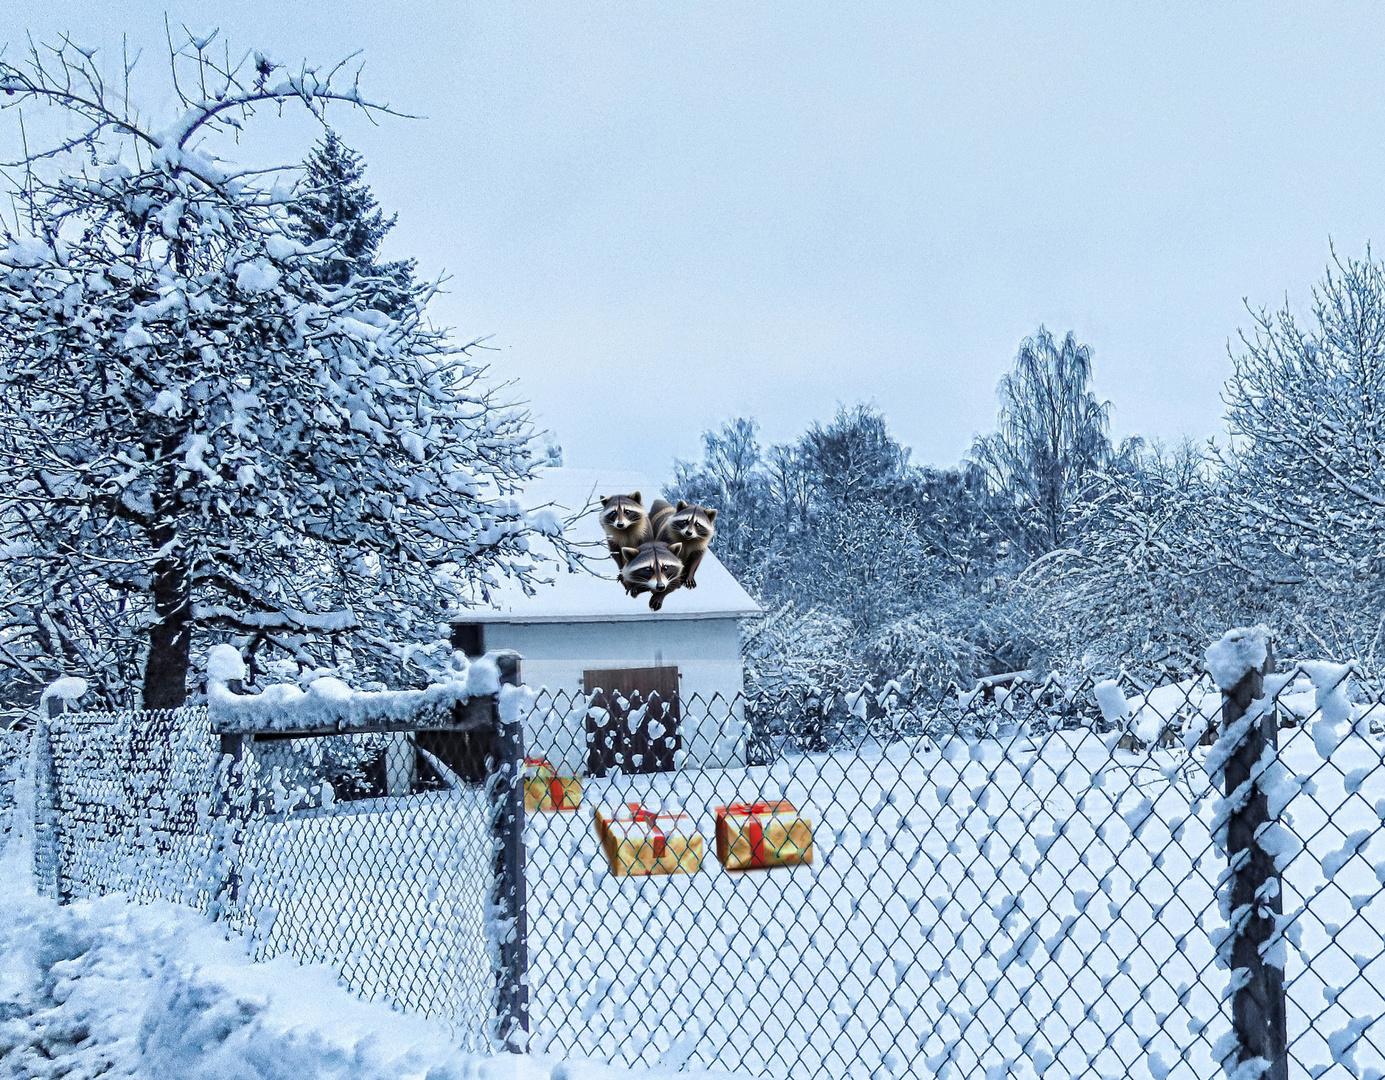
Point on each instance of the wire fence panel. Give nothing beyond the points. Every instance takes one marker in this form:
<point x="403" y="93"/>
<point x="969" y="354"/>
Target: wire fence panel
<point x="1032" y="879"/>
<point x="1005" y="883"/>
<point x="311" y="846"/>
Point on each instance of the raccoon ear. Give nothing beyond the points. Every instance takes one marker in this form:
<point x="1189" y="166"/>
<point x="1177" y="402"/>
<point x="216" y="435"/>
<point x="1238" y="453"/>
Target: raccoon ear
<point x="681" y="505"/>
<point x="629" y="553"/>
<point x="711" y="515"/>
<point x="677" y="549"/>
<point x="635" y="497"/>
<point x="605" y="499"/>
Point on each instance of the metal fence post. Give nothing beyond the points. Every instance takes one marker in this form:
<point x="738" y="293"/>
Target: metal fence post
<point x="510" y="894"/>
<point x="1258" y="1007"/>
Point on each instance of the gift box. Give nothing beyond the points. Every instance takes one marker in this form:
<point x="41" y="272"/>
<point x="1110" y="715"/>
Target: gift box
<point x="604" y="815"/>
<point x="650" y="842"/>
<point x="544" y="789"/>
<point x="762" y="834"/>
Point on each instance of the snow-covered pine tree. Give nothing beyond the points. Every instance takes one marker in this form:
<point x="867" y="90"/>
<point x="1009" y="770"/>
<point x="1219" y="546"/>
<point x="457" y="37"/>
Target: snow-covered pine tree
<point x="333" y="201"/>
<point x="198" y="437"/>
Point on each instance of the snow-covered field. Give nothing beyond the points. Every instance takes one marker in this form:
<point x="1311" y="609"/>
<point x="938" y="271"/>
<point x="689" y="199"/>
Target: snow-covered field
<point x="1015" y="907"/>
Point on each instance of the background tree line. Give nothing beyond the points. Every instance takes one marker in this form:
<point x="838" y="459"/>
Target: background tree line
<point x="1051" y="546"/>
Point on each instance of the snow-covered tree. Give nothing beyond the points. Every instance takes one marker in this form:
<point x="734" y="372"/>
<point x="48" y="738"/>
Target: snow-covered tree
<point x="1051" y="431"/>
<point x="1306" y="405"/>
<point x="200" y="436"/>
<point x="333" y="201"/>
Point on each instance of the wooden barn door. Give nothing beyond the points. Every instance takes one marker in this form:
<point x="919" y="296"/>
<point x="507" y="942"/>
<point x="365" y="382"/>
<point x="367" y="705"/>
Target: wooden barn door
<point x="611" y="744"/>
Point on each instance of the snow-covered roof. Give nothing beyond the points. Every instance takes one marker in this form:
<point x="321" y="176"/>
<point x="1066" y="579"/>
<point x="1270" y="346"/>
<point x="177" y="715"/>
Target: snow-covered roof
<point x="584" y="597"/>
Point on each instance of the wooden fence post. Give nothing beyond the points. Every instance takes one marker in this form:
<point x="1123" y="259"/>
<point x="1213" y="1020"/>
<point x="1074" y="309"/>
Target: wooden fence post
<point x="510" y="895"/>
<point x="1258" y="1007"/>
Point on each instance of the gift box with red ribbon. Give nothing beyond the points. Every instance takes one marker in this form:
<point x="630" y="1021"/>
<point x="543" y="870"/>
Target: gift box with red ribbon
<point x="641" y="842"/>
<point x="545" y="789"/>
<point x="763" y="834"/>
<point x="604" y="815"/>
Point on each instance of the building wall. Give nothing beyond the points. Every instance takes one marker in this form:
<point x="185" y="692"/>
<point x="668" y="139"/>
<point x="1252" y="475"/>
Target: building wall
<point x="707" y="653"/>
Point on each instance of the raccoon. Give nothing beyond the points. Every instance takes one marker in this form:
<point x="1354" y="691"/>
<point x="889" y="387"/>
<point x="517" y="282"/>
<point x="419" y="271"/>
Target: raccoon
<point x="626" y="524"/>
<point x="688" y="525"/>
<point x="654" y="568"/>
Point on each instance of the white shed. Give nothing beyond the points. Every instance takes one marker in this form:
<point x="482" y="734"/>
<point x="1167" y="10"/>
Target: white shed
<point x="583" y="631"/>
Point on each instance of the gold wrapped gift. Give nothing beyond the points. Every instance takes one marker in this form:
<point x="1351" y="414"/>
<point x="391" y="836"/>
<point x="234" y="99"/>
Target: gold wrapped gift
<point x="604" y="815"/>
<point x="762" y="834"/>
<point x="648" y="842"/>
<point x="544" y="789"/>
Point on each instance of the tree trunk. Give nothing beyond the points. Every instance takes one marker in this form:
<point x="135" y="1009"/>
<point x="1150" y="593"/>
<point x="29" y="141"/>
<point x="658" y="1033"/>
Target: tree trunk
<point x="166" y="671"/>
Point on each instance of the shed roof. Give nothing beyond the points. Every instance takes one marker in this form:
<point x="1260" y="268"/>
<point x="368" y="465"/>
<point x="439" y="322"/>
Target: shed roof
<point x="585" y="597"/>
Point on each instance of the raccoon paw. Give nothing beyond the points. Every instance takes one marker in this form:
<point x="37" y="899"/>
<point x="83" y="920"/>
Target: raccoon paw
<point x="690" y="584"/>
<point x="656" y="602"/>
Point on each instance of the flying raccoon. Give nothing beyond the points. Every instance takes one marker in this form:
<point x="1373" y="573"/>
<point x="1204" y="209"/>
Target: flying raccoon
<point x="654" y="568"/>
<point x="688" y="525"/>
<point x="626" y="524"/>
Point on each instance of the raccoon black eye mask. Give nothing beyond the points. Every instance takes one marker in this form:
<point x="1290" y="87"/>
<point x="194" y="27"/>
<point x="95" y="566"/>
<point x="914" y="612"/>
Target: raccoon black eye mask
<point x="654" y="568"/>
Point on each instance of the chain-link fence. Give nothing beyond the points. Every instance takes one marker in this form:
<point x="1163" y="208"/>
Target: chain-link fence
<point x="1021" y="880"/>
<point x="1034" y="878"/>
<point x="379" y="853"/>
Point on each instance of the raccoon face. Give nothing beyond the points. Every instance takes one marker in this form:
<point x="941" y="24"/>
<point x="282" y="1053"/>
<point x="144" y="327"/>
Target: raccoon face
<point x="693" y="522"/>
<point x="622" y="512"/>
<point x="653" y="566"/>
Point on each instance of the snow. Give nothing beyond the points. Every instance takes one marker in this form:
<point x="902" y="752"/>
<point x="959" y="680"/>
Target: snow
<point x="167" y="402"/>
<point x="329" y="705"/>
<point x="257" y="276"/>
<point x="67" y="690"/>
<point x="1236" y="653"/>
<point x="224" y="664"/>
<point x="27" y="253"/>
<point x="1111" y="700"/>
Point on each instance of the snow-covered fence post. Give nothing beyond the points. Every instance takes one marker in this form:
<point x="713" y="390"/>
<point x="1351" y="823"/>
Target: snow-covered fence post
<point x="509" y="896"/>
<point x="47" y="865"/>
<point x="1250" y="892"/>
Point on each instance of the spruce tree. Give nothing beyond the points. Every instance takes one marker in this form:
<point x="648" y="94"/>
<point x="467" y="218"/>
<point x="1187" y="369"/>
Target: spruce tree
<point x="334" y="202"/>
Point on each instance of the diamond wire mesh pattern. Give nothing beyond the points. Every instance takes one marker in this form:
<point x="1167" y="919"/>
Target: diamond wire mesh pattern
<point x="1002" y="883"/>
<point x="389" y="887"/>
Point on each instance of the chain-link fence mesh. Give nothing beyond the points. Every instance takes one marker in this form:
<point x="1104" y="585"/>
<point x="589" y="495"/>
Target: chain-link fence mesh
<point x="1030" y="879"/>
<point x="1017" y="881"/>
<point x="372" y="853"/>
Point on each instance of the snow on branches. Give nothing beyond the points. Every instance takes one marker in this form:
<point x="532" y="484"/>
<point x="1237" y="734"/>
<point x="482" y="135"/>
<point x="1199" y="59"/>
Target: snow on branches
<point x="196" y="434"/>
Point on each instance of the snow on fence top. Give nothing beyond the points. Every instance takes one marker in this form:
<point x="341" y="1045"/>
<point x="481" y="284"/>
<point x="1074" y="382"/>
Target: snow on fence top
<point x="329" y="706"/>
<point x="1236" y="653"/>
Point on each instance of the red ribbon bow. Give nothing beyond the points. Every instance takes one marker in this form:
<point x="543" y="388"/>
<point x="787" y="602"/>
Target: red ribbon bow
<point x="650" y="818"/>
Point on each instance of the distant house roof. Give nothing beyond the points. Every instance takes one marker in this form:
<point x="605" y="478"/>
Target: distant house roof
<point x="585" y="597"/>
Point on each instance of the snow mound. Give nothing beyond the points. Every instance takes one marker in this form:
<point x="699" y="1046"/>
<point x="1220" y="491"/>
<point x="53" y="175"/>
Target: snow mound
<point x="1237" y="652"/>
<point x="224" y="664"/>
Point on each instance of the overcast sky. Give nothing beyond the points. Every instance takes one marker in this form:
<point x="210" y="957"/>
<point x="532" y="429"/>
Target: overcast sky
<point x="664" y="215"/>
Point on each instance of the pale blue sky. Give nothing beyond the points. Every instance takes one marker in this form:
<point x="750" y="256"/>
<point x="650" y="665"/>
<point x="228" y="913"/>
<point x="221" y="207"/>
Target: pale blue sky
<point x="665" y="215"/>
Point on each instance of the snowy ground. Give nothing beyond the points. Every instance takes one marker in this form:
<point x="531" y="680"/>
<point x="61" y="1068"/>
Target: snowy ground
<point x="116" y="989"/>
<point x="1015" y="908"/>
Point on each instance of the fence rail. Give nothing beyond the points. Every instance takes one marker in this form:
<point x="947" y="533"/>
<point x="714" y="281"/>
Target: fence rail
<point x="1038" y="879"/>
